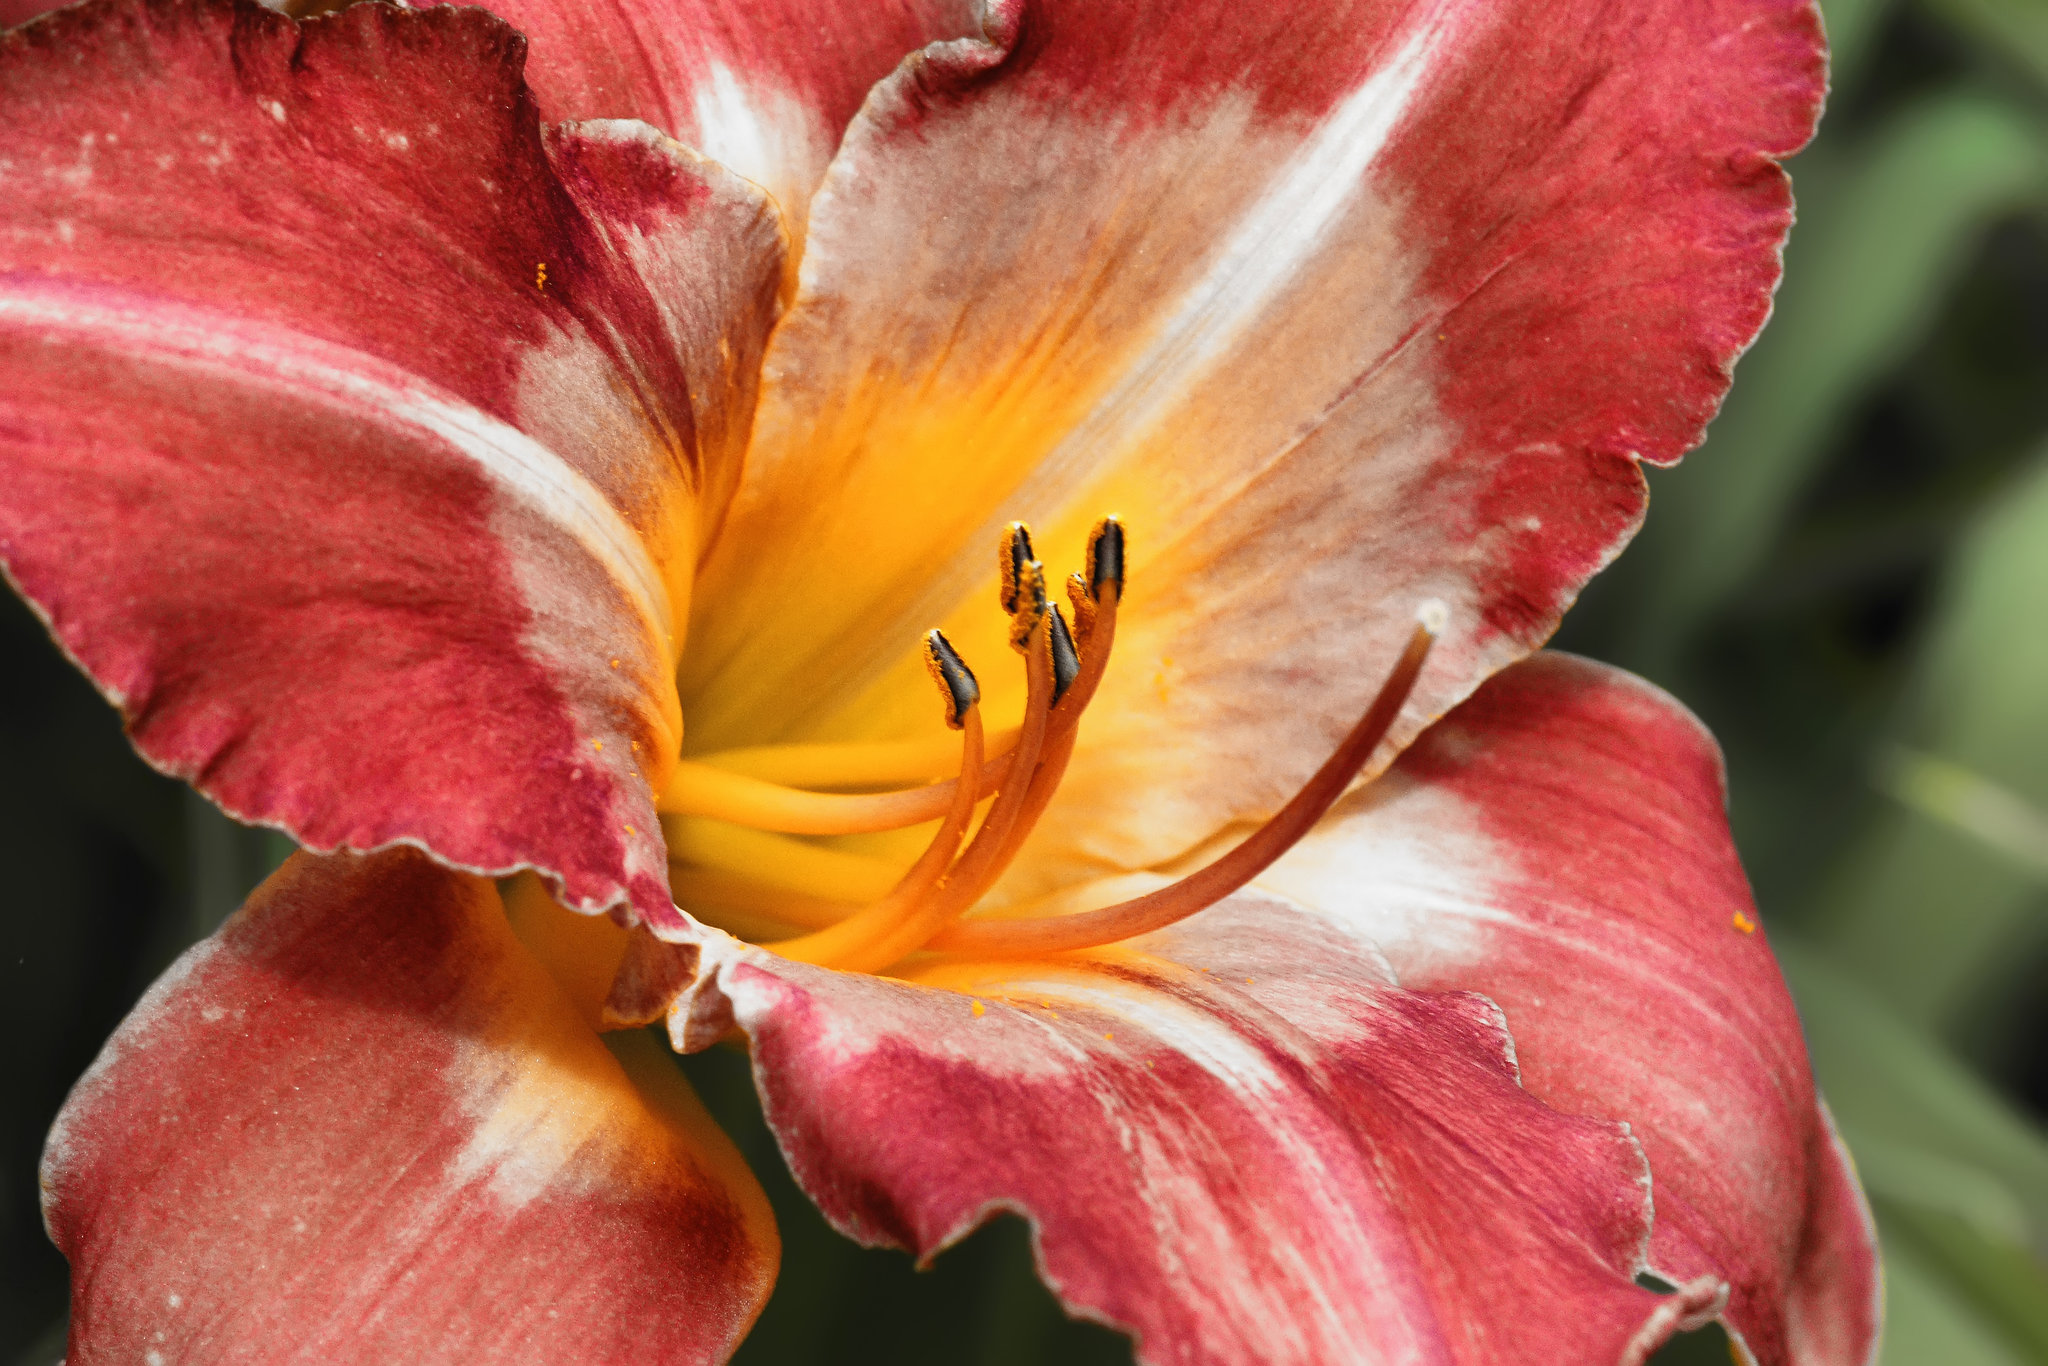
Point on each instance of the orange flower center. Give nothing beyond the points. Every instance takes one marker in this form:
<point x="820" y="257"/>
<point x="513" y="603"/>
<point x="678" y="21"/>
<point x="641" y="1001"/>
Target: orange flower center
<point x="730" y="817"/>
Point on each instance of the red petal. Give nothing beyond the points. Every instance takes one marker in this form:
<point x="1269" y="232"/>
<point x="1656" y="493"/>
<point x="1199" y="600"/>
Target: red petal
<point x="762" y="86"/>
<point x="372" y="531"/>
<point x="20" y="11"/>
<point x="1559" y="842"/>
<point x="361" y="1124"/>
<point x="1242" y="1144"/>
<point x="1342" y="306"/>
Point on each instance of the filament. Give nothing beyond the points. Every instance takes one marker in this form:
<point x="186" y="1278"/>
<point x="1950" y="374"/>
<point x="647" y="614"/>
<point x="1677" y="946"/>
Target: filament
<point x="730" y="816"/>
<point x="886" y="763"/>
<point x="979" y="865"/>
<point x="712" y="887"/>
<point x="698" y="789"/>
<point x="1156" y="910"/>
<point x="851" y="939"/>
<point x="777" y="861"/>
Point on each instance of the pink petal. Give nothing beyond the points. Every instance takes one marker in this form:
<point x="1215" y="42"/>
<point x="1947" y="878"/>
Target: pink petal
<point x="361" y="1124"/>
<point x="765" y="87"/>
<point x="1341" y="306"/>
<point x="352" y="431"/>
<point x="1243" y="1143"/>
<point x="1559" y="843"/>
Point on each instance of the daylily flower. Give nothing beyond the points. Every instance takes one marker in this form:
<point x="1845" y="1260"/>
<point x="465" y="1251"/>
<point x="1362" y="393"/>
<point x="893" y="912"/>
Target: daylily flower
<point x="436" y="458"/>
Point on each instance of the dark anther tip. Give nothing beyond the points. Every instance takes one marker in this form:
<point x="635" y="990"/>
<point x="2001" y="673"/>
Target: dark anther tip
<point x="1011" y="557"/>
<point x="1066" y="660"/>
<point x="952" y="675"/>
<point x="1106" y="555"/>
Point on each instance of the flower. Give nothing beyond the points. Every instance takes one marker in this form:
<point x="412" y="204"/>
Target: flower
<point x="409" y="451"/>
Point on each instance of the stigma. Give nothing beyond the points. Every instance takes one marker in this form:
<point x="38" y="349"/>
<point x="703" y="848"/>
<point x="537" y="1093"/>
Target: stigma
<point x="730" y="817"/>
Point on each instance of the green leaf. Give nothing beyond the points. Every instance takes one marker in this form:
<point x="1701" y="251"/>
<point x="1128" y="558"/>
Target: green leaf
<point x="1927" y="1321"/>
<point x="1964" y="799"/>
<point x="2014" y="31"/>
<point x="1927" y="1132"/>
<point x="2000" y="1280"/>
<point x="1959" y="1179"/>
<point x="1853" y="26"/>
<point x="1884" y="227"/>
<point x="1921" y="908"/>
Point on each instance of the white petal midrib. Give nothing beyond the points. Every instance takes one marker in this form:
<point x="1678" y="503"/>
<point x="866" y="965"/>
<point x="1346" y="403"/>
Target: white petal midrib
<point x="337" y="377"/>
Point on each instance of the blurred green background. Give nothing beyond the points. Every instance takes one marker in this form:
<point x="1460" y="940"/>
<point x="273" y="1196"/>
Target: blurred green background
<point x="1849" y="583"/>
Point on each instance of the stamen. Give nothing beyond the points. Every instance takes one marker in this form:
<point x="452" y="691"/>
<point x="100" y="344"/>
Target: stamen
<point x="1010" y="569"/>
<point x="878" y="764"/>
<point x="954" y="678"/>
<point x="1105" y="575"/>
<point x="706" y="892"/>
<point x="697" y="789"/>
<point x="777" y="861"/>
<point x="1059" y="743"/>
<point x="1106" y="557"/>
<point x="1066" y="660"/>
<point x="1156" y="910"/>
<point x="868" y="940"/>
<point x="1082" y="600"/>
<point x="1028" y="592"/>
<point x="756" y="878"/>
<point x="987" y="852"/>
<point x="849" y="941"/>
<point x="905" y="920"/>
<point x="995" y="846"/>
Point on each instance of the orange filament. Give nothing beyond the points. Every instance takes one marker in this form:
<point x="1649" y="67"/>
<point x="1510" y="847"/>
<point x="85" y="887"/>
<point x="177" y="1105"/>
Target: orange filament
<point x="1156" y="910"/>
<point x="853" y="938"/>
<point x="1059" y="746"/>
<point x="728" y="891"/>
<point x="852" y="767"/>
<point x="993" y="843"/>
<point x="701" y="789"/>
<point x="759" y="878"/>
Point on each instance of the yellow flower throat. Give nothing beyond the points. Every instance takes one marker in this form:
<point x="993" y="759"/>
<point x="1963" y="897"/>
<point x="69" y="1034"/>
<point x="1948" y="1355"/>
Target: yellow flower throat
<point x="729" y="817"/>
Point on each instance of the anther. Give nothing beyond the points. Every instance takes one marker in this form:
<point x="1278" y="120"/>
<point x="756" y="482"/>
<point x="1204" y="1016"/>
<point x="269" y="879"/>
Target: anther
<point x="1206" y="887"/>
<point x="1063" y="670"/>
<point x="1031" y="605"/>
<point x="697" y="789"/>
<point x="1012" y="556"/>
<point x="1066" y="660"/>
<point x="1082" y="599"/>
<point x="1105" y="556"/>
<point x="952" y="675"/>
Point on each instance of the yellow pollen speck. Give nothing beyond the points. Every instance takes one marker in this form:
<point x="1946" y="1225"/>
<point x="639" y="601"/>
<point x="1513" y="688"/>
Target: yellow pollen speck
<point x="636" y="746"/>
<point x="615" y="664"/>
<point x="1744" y="923"/>
<point x="1111" y="1037"/>
<point x="1148" y="1062"/>
<point x="1247" y="981"/>
<point x="978" y="1009"/>
<point x="597" y="745"/>
<point x="629" y="830"/>
<point x="540" y="281"/>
